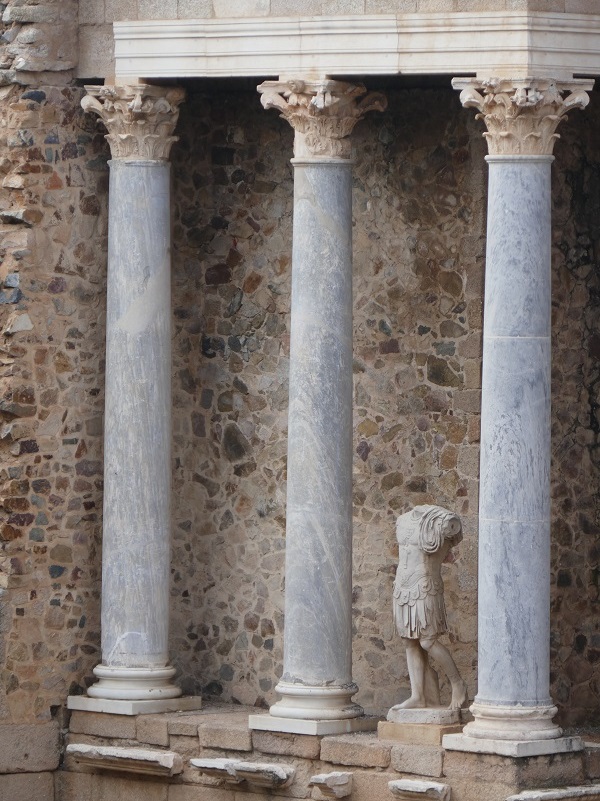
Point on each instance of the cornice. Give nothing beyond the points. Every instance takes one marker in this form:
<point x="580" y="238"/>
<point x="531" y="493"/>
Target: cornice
<point x="495" y="43"/>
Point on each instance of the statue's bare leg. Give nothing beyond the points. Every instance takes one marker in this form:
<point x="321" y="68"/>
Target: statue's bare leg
<point x="432" y="685"/>
<point x="442" y="656"/>
<point x="416" y="660"/>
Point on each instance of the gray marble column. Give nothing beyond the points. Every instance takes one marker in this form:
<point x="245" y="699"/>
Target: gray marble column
<point x="137" y="439"/>
<point x="513" y="699"/>
<point x="317" y="687"/>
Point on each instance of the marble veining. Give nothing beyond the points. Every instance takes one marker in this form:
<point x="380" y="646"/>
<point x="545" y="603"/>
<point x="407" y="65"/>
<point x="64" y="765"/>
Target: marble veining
<point x="135" y="583"/>
<point x="319" y="502"/>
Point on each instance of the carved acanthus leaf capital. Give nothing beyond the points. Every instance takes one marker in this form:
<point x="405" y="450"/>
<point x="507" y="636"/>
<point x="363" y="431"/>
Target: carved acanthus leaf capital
<point x="522" y="115"/>
<point x="322" y="112"/>
<point x="140" y="119"/>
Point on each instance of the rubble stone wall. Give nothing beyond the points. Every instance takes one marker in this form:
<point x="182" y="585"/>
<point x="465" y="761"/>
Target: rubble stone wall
<point x="52" y="309"/>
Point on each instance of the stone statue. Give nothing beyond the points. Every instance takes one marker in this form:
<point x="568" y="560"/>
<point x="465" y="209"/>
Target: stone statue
<point x="425" y="537"/>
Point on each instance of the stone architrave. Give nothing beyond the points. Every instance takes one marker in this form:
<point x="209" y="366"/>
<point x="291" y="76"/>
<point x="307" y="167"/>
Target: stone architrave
<point x="316" y="687"/>
<point x="513" y="699"/>
<point x="137" y="477"/>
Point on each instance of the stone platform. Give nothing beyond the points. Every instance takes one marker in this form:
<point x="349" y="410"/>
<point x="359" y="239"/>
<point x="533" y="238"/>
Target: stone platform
<point x="232" y="760"/>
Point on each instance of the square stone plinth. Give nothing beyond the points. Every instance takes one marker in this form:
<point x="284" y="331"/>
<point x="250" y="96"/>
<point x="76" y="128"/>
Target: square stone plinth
<point x="314" y="727"/>
<point x="415" y="733"/>
<point x="512" y="748"/>
<point x="113" y="707"/>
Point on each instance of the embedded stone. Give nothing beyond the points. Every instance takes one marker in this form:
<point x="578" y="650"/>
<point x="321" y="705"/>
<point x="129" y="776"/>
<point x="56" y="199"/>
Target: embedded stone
<point x="235" y="444"/>
<point x="439" y="372"/>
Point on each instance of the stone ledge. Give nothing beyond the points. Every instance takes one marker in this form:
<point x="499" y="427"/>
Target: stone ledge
<point x="591" y="792"/>
<point x="409" y="790"/>
<point x="126" y="760"/>
<point x="259" y="774"/>
<point x="332" y="785"/>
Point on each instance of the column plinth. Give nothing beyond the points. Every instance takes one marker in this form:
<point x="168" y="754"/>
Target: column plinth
<point x="137" y="439"/>
<point x="513" y="699"/>
<point x="316" y="688"/>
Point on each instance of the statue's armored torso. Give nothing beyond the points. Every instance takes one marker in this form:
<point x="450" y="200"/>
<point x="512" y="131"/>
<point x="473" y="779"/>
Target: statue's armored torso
<point x="419" y="609"/>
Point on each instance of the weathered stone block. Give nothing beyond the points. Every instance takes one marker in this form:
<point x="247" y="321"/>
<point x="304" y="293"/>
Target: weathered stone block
<point x="299" y="745"/>
<point x="152" y="729"/>
<point x="103" y="725"/>
<point x="42" y="13"/>
<point x="494" y="778"/>
<point x="229" y="734"/>
<point x="371" y="786"/>
<point x="362" y="750"/>
<point x="423" y="760"/>
<point x="241" y="8"/>
<point x="198" y="792"/>
<point x="29" y="748"/>
<point x="27" y="787"/>
<point x="184" y="724"/>
<point x="99" y="787"/>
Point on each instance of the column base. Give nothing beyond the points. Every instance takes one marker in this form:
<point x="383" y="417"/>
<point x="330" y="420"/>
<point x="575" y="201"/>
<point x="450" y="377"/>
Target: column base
<point x="521" y="723"/>
<point x="311" y="709"/>
<point x="311" y="702"/>
<point x="315" y="727"/>
<point x="134" y="684"/>
<point x="82" y="703"/>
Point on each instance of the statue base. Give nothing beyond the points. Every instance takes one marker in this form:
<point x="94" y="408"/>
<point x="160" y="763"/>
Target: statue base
<point x="421" y="726"/>
<point x="440" y="715"/>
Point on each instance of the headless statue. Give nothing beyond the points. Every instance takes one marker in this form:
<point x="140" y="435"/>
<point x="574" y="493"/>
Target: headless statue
<point x="425" y="537"/>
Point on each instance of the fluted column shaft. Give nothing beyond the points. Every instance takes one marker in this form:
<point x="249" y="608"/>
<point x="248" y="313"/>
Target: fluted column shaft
<point x="513" y="699"/>
<point x="317" y="679"/>
<point x="137" y="440"/>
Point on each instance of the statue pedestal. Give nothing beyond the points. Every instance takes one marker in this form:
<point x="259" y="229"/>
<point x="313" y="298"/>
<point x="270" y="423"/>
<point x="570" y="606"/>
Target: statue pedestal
<point x="421" y="726"/>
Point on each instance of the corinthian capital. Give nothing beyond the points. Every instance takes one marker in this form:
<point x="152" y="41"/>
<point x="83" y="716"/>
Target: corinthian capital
<point x="140" y="119"/>
<point x="322" y="112"/>
<point x="522" y="115"/>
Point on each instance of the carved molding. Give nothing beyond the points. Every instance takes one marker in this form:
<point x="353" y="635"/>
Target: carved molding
<point x="522" y="116"/>
<point x="322" y="112"/>
<point x="140" y="118"/>
<point x="148" y="761"/>
<point x="235" y="771"/>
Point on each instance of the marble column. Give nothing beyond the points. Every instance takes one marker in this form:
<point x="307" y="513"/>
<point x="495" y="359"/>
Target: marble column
<point x="316" y="688"/>
<point x="134" y="675"/>
<point x="513" y="699"/>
